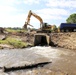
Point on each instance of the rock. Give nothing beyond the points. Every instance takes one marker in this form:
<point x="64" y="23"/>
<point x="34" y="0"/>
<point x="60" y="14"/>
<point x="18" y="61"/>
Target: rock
<point x="2" y="37"/>
<point x="5" y="46"/>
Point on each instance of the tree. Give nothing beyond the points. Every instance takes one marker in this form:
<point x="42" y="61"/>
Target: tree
<point x="71" y="18"/>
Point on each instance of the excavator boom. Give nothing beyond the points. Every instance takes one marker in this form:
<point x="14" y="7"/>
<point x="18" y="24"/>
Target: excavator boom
<point x="39" y="18"/>
<point x="28" y="19"/>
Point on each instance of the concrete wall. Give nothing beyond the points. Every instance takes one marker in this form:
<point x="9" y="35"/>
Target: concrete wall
<point x="40" y="39"/>
<point x="63" y="40"/>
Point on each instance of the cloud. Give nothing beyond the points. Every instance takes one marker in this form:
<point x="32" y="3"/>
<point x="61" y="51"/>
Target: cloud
<point x="7" y="2"/>
<point x="52" y="14"/>
<point x="31" y="1"/>
<point x="12" y="20"/>
<point x="53" y="11"/>
<point x="46" y="19"/>
<point x="46" y="16"/>
<point x="7" y="9"/>
<point x="9" y="17"/>
<point x="13" y="13"/>
<point x="61" y="3"/>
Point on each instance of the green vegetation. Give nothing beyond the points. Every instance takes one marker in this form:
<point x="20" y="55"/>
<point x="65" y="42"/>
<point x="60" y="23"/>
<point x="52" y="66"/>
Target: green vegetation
<point x="14" y="42"/>
<point x="71" y="18"/>
<point x="14" y="30"/>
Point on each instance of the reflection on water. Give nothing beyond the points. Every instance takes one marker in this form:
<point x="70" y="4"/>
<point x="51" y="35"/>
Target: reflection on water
<point x="64" y="60"/>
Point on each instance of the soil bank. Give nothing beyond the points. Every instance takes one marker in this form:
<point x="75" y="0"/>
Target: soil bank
<point x="64" y="40"/>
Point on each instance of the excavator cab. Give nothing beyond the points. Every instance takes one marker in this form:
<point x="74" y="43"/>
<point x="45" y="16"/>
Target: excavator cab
<point x="44" y="25"/>
<point x="46" y="28"/>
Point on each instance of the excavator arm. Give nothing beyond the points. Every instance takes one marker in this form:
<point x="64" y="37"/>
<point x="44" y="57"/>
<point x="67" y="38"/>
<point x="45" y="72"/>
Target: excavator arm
<point x="39" y="18"/>
<point x="28" y="19"/>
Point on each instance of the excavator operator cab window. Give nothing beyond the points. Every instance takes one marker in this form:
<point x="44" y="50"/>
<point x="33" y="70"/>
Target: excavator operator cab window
<point x="44" y="24"/>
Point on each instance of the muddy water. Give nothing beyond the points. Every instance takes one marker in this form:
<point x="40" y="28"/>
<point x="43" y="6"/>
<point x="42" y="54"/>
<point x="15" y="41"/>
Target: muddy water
<point x="62" y="60"/>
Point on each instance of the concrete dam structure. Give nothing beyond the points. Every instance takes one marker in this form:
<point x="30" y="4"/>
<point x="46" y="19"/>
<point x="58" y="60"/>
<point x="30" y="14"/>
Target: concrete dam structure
<point x="41" y="39"/>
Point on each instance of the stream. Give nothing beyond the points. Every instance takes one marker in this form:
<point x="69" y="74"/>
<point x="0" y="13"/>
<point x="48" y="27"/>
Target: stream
<point x="63" y="60"/>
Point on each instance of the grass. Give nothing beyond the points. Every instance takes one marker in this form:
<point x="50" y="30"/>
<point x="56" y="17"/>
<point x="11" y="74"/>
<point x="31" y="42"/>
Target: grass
<point x="11" y="30"/>
<point x="14" y="42"/>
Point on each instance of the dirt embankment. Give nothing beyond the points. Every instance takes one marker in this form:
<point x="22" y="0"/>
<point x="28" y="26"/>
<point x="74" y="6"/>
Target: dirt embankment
<point x="64" y="40"/>
<point x="23" y="37"/>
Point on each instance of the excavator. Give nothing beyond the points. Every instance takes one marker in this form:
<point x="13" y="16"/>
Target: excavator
<point x="44" y="27"/>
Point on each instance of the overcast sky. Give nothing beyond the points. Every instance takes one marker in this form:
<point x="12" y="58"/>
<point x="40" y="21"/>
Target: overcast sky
<point x="13" y="13"/>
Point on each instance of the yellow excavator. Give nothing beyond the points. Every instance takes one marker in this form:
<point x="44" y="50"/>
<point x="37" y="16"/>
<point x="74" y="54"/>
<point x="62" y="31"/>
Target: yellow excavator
<point x="44" y="27"/>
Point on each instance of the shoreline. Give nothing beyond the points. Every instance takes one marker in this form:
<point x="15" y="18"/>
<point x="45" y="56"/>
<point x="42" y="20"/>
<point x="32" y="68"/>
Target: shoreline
<point x="59" y="40"/>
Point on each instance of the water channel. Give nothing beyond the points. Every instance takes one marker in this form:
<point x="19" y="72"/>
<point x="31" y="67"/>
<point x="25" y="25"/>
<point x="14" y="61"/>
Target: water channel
<point x="63" y="60"/>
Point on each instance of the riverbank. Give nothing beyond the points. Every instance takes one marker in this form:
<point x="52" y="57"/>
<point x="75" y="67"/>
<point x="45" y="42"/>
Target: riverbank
<point x="23" y="40"/>
<point x="64" y="40"/>
<point x="18" y="40"/>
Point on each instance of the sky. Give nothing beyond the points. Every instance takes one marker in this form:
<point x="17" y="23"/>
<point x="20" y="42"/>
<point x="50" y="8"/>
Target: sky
<point x="13" y="13"/>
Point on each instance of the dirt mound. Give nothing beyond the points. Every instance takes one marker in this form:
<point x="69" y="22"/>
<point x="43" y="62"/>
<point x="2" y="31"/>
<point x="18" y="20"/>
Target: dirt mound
<point x="64" y="40"/>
